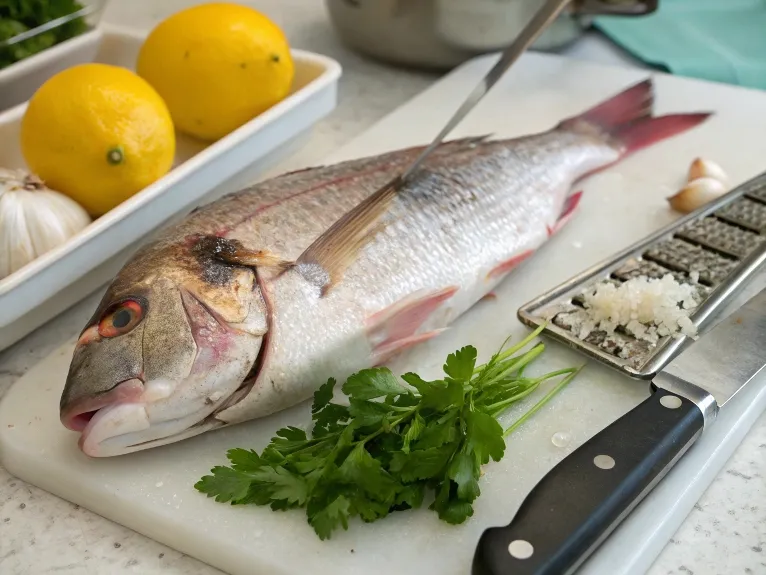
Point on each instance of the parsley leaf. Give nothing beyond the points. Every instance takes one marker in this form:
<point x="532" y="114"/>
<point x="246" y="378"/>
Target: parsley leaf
<point x="423" y="464"/>
<point x="334" y="514"/>
<point x="413" y="432"/>
<point x="449" y="507"/>
<point x="330" y="419"/>
<point x="368" y="412"/>
<point x="226" y="484"/>
<point x="282" y="484"/>
<point x="410" y="496"/>
<point x="244" y="459"/>
<point x="459" y="365"/>
<point x="373" y="383"/>
<point x="361" y="470"/>
<point x="390" y="446"/>
<point x="439" y="432"/>
<point x="485" y="436"/>
<point x="323" y="395"/>
<point x="464" y="471"/>
<point x="439" y="394"/>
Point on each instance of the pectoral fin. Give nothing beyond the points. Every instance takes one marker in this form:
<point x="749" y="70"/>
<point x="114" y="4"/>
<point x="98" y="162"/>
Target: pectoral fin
<point x="253" y="258"/>
<point x="388" y="351"/>
<point x="567" y="212"/>
<point x="338" y="247"/>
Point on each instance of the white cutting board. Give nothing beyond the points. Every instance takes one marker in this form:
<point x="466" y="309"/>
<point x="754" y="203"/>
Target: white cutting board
<point x="152" y="491"/>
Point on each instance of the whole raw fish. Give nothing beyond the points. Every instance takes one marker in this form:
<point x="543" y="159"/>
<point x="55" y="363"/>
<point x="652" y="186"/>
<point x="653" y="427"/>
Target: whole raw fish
<point x="250" y="303"/>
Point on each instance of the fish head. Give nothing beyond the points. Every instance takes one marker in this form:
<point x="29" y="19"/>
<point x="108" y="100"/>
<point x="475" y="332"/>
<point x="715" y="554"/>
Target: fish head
<point x="174" y="338"/>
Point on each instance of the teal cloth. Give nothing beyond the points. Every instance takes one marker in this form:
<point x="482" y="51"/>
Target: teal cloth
<point x="719" y="40"/>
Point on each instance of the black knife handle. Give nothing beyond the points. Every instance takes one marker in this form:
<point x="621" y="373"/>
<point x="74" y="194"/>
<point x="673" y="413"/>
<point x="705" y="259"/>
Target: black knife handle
<point x="578" y="503"/>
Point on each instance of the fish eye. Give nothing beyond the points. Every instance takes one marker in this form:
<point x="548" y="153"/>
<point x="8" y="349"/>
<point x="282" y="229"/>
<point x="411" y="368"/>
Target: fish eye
<point x="121" y="319"/>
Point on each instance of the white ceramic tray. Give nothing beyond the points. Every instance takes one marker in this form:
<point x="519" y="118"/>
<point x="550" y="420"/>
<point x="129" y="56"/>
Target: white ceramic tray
<point x="201" y="172"/>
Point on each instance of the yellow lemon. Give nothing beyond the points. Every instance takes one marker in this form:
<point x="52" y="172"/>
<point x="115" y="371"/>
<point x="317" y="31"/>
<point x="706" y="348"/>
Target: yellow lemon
<point x="98" y="134"/>
<point x="217" y="66"/>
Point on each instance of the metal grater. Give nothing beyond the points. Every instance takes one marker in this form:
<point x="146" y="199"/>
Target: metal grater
<point x="716" y="249"/>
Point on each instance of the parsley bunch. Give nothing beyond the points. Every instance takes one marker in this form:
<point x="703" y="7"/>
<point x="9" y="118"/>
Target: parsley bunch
<point x="18" y="16"/>
<point x="390" y="445"/>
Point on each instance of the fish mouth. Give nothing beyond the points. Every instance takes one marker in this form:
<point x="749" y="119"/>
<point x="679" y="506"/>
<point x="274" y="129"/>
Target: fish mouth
<point x="135" y="415"/>
<point x="120" y="420"/>
<point x="79" y="415"/>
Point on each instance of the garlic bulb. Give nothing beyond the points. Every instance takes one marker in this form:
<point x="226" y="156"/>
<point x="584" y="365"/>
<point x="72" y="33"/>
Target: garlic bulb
<point x="697" y="193"/>
<point x="706" y="169"/>
<point x="33" y="219"/>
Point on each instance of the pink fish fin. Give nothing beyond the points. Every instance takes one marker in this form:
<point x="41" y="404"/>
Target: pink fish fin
<point x="649" y="131"/>
<point x="339" y="245"/>
<point x="385" y="352"/>
<point x="402" y="319"/>
<point x="627" y="117"/>
<point x="489" y="296"/>
<point x="567" y="212"/>
<point x="506" y="266"/>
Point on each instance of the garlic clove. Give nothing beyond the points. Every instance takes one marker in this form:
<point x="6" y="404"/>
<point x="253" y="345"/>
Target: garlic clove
<point x="697" y="193"/>
<point x="33" y="219"/>
<point x="706" y="169"/>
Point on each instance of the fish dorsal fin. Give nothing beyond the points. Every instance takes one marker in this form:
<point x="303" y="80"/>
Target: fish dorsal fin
<point x="339" y="246"/>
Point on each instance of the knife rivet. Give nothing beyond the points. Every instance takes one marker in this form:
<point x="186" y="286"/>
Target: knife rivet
<point x="670" y="401"/>
<point x="603" y="462"/>
<point x="520" y="549"/>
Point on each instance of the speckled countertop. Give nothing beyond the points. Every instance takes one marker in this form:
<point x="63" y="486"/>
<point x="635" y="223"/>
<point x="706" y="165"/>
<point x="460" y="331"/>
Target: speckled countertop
<point x="724" y="535"/>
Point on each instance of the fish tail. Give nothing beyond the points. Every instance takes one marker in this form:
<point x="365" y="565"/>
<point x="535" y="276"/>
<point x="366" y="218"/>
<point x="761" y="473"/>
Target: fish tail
<point x="627" y="119"/>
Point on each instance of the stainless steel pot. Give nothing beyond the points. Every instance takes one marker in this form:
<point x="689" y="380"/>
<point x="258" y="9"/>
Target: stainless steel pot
<point x="444" y="33"/>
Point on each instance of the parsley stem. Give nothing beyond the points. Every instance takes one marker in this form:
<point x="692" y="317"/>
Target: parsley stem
<point x="501" y="356"/>
<point x="315" y="441"/>
<point x="412" y="411"/>
<point x="496" y="408"/>
<point x="521" y="362"/>
<point x="523" y="343"/>
<point x="400" y="408"/>
<point x="563" y="383"/>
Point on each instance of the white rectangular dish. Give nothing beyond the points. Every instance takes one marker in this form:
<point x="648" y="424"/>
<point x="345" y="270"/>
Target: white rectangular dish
<point x="59" y="278"/>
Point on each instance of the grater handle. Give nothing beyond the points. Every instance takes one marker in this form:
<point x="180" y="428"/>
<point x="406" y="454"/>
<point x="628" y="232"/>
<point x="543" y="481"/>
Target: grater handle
<point x="580" y="501"/>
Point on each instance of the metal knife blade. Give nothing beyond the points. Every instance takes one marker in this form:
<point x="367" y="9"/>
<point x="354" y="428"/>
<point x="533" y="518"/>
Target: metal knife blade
<point x="580" y="501"/>
<point x="539" y="22"/>
<point x="725" y="358"/>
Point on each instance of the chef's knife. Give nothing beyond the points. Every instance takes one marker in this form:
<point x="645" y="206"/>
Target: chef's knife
<point x="580" y="501"/>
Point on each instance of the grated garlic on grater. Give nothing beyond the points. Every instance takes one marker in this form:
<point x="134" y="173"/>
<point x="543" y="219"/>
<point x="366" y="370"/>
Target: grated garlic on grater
<point x="646" y="308"/>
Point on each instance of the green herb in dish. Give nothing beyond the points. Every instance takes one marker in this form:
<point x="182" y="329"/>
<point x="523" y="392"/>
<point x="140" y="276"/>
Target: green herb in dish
<point x="18" y="16"/>
<point x="391" y="444"/>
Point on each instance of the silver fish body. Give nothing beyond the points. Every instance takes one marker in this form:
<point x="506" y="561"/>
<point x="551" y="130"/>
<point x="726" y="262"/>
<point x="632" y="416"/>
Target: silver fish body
<point x="192" y="335"/>
<point x="445" y="233"/>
